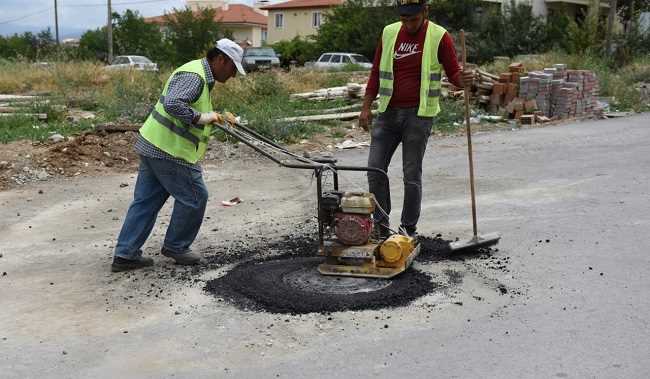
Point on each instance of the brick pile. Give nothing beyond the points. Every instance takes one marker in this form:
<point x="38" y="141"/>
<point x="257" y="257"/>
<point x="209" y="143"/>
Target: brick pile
<point x="504" y="91"/>
<point x="556" y="92"/>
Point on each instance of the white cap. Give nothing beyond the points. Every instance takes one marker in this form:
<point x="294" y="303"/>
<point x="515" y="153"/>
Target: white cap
<point x="233" y="51"/>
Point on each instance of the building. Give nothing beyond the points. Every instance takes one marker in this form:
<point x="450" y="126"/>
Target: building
<point x="246" y="24"/>
<point x="644" y="22"/>
<point x="296" y="18"/>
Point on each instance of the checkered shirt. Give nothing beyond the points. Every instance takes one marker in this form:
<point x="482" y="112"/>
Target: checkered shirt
<point x="184" y="89"/>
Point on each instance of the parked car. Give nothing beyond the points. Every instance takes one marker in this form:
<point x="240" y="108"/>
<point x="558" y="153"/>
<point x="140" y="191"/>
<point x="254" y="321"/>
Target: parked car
<point x="334" y="61"/>
<point x="134" y="62"/>
<point x="259" y="58"/>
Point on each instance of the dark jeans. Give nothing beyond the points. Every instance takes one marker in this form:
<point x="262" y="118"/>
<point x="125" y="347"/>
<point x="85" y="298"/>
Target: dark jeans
<point x="392" y="127"/>
<point x="157" y="180"/>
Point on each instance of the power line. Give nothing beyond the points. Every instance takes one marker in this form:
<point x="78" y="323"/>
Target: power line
<point x="25" y="16"/>
<point x="9" y="21"/>
<point x="114" y="4"/>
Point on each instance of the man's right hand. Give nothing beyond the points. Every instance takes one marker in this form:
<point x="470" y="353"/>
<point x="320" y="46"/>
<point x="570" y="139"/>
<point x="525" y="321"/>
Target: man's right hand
<point x="365" y="118"/>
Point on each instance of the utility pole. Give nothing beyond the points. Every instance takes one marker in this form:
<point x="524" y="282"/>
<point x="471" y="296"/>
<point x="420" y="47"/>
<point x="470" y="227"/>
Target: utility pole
<point x="109" y="30"/>
<point x="56" y="21"/>
<point x="610" y="26"/>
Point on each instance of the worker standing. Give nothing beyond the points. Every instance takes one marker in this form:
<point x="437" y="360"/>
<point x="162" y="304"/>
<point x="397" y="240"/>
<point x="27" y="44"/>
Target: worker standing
<point x="171" y="142"/>
<point x="406" y="73"/>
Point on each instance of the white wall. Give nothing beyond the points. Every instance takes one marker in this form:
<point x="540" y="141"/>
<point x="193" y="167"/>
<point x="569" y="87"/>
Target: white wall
<point x="644" y="22"/>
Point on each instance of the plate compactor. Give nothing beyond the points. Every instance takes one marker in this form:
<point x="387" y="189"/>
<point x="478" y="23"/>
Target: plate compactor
<point x="349" y="250"/>
<point x="345" y="222"/>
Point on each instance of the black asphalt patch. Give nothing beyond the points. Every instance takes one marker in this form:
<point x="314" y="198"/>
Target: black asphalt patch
<point x="262" y="286"/>
<point x="265" y="280"/>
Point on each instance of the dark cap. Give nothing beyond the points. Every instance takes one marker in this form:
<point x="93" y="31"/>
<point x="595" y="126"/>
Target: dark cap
<point x="410" y="7"/>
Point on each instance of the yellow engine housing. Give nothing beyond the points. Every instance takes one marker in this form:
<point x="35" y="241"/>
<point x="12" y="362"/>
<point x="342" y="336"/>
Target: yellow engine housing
<point x="396" y="247"/>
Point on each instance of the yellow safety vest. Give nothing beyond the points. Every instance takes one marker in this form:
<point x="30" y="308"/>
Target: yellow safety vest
<point x="431" y="68"/>
<point x="171" y="135"/>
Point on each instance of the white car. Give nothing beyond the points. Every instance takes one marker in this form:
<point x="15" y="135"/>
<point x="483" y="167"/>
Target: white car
<point x="333" y="61"/>
<point x="134" y="62"/>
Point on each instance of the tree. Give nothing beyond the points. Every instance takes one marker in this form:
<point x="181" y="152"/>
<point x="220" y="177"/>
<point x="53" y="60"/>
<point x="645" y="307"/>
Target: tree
<point x="133" y="36"/>
<point x="27" y="45"/>
<point x="355" y="26"/>
<point x="455" y="15"/>
<point x="46" y="45"/>
<point x="93" y="44"/>
<point x="191" y="33"/>
<point x="511" y="32"/>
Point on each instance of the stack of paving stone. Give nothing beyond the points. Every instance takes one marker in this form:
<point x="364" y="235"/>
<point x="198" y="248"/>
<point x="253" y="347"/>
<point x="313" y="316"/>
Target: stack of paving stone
<point x="577" y="77"/>
<point x="567" y="102"/>
<point x="559" y="92"/>
<point x="537" y="87"/>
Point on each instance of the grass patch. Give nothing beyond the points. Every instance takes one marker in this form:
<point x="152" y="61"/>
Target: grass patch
<point x="15" y="128"/>
<point x="262" y="98"/>
<point x="129" y="95"/>
<point x="451" y="111"/>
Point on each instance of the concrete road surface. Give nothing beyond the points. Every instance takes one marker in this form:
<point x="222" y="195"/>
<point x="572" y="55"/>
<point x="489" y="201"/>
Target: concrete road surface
<point x="570" y="298"/>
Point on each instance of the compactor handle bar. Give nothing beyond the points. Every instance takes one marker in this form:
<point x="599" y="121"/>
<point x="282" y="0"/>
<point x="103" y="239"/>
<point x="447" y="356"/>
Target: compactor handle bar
<point x="318" y="163"/>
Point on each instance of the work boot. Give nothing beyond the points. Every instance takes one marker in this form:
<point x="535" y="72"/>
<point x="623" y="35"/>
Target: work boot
<point x="380" y="233"/>
<point x="123" y="264"/>
<point x="187" y="259"/>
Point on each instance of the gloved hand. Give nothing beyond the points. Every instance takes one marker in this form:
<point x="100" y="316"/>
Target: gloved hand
<point x="211" y="118"/>
<point x="230" y="118"/>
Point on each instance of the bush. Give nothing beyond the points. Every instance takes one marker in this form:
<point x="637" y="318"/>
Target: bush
<point x="261" y="98"/>
<point x="515" y="31"/>
<point x="587" y="37"/>
<point x="130" y="95"/>
<point x="297" y="50"/>
<point x="356" y="26"/>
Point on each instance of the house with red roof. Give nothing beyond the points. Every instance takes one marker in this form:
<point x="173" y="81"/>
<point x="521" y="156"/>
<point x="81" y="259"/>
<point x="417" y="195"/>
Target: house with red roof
<point x="293" y="18"/>
<point x="246" y="24"/>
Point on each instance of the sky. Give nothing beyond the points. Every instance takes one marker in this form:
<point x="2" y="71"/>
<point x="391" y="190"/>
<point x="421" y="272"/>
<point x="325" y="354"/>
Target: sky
<point x="75" y="16"/>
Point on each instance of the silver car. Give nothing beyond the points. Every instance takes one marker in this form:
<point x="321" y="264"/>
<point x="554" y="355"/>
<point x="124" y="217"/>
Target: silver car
<point x="334" y="61"/>
<point x="133" y="62"/>
<point x="260" y="58"/>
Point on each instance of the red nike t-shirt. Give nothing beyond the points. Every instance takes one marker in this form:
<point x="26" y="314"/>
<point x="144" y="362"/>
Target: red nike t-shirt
<point x="407" y="65"/>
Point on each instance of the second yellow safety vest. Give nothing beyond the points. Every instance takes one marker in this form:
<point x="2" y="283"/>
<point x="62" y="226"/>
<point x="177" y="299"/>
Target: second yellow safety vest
<point x="430" y="73"/>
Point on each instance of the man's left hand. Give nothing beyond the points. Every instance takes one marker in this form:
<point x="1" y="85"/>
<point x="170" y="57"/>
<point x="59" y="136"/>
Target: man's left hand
<point x="468" y="78"/>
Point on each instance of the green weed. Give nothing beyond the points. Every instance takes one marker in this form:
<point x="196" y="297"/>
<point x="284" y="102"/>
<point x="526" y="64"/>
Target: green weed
<point x="15" y="128"/>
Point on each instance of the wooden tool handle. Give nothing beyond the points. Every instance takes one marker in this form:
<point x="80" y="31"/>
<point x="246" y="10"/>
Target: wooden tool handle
<point x="469" y="135"/>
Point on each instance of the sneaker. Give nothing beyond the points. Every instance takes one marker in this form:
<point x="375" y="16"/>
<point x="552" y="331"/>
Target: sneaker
<point x="409" y="231"/>
<point x="189" y="258"/>
<point x="123" y="264"/>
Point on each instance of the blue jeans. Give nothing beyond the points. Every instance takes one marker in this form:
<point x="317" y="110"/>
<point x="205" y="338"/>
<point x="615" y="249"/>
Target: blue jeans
<point x="395" y="126"/>
<point x="157" y="180"/>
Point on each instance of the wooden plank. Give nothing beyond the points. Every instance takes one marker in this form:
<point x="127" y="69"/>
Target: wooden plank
<point x="40" y="116"/>
<point x="487" y="74"/>
<point x="10" y="109"/>
<point x="324" y="117"/>
<point x="12" y="98"/>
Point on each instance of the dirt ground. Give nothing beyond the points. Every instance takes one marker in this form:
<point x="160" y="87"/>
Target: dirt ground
<point x="100" y="152"/>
